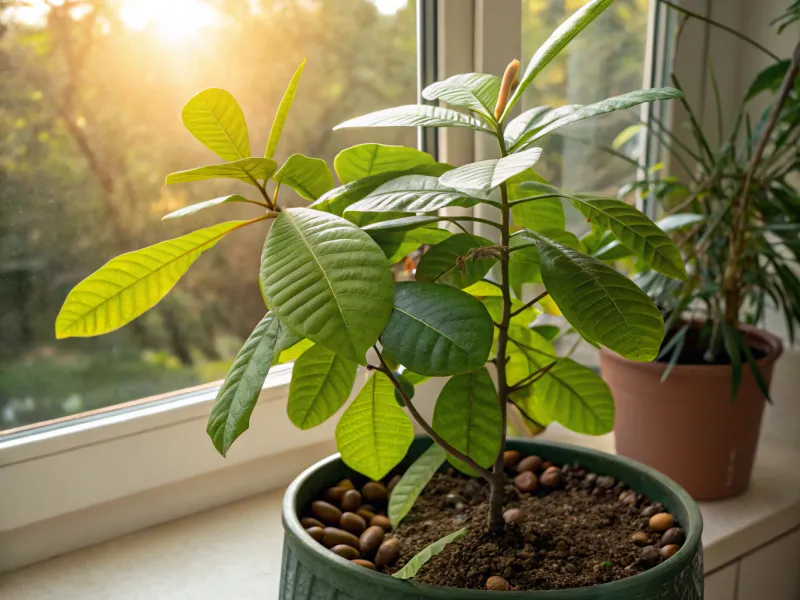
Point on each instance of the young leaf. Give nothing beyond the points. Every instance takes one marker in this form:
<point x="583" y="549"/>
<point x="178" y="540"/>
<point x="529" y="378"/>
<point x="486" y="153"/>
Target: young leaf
<point x="230" y="416"/>
<point x="327" y="280"/>
<point x="321" y="383"/>
<point x="533" y="120"/>
<point x="373" y="159"/>
<point x="414" y="480"/>
<point x="482" y="177"/>
<point x="215" y="118"/>
<point x="374" y="432"/>
<point x="437" y="330"/>
<point x="474" y="91"/>
<point x="468" y="417"/>
<point x="402" y="224"/>
<point x="193" y="208"/>
<point x="309" y="177"/>
<point x="557" y="41"/>
<point x="133" y="283"/>
<point x="440" y="263"/>
<point x="249" y="170"/>
<point x="600" y="303"/>
<point x="411" y="194"/>
<point x="283" y="112"/>
<point x="414" y="115"/>
<point x="413" y="566"/>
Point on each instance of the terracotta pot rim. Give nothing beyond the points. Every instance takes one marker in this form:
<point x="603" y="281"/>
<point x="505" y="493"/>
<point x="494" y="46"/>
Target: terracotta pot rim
<point x="769" y="343"/>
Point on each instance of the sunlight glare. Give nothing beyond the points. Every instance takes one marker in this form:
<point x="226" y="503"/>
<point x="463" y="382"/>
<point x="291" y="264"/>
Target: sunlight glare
<point x="174" y="20"/>
<point x="390" y="7"/>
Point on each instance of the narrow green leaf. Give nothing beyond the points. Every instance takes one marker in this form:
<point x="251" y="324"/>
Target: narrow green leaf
<point x="751" y="361"/>
<point x="133" y="283"/>
<point x="230" y="415"/>
<point x="437" y="330"/>
<point x="675" y="345"/>
<point x="309" y="177"/>
<point x="365" y="160"/>
<point x="413" y="566"/>
<point x="734" y="353"/>
<point x="769" y="78"/>
<point x="374" y="433"/>
<point x="327" y="280"/>
<point x="283" y="112"/>
<point x="249" y="170"/>
<point x="215" y="118"/>
<point x="411" y="194"/>
<point x="414" y="115"/>
<point x="475" y="91"/>
<point x="468" y="417"/>
<point x="321" y="383"/>
<point x="446" y="262"/>
<point x="482" y="177"/>
<point x="413" y="481"/>
<point x="626" y="135"/>
<point x="193" y="208"/>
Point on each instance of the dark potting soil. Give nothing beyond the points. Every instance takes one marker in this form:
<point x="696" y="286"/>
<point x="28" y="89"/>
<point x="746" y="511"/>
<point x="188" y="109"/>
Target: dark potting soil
<point x="577" y="535"/>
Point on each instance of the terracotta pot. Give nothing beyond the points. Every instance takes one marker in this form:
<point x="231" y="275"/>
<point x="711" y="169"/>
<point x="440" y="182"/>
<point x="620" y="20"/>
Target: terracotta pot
<point x="687" y="427"/>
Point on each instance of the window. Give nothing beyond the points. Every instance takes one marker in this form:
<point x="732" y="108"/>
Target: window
<point x="90" y="102"/>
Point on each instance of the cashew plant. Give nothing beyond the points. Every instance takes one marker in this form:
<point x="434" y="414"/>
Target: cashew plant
<point x="326" y="280"/>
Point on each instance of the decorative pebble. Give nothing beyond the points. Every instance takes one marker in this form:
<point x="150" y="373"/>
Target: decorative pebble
<point x="497" y="584"/>
<point x="393" y="482"/>
<point x="661" y="522"/>
<point x="316" y="533"/>
<point x="529" y="463"/>
<point x="351" y="500"/>
<point x="546" y="465"/>
<point x="346" y="484"/>
<point x="453" y="499"/>
<point x="606" y="482"/>
<point x="382" y="522"/>
<point x="388" y="553"/>
<point x="551" y="478"/>
<point x="374" y="491"/>
<point x="673" y="535"/>
<point x="363" y="563"/>
<point x="325" y="512"/>
<point x="333" y="536"/>
<point x="353" y="523"/>
<point x="308" y="522"/>
<point x="334" y="495"/>
<point x="526" y="482"/>
<point x="371" y="539"/>
<point x="669" y="550"/>
<point x="365" y="513"/>
<point x="640" y="538"/>
<point x="590" y="480"/>
<point x="510" y="458"/>
<point x="650" y="556"/>
<point x="628" y="497"/>
<point x="345" y="551"/>
<point x="514" y="516"/>
<point x="653" y="509"/>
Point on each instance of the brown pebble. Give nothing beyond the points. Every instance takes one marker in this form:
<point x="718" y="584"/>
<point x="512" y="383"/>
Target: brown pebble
<point x="514" y="516"/>
<point x="606" y="482"/>
<point x="316" y="533"/>
<point x="669" y="550"/>
<point x="650" y="556"/>
<point x="334" y="495"/>
<point x="374" y="491"/>
<point x="363" y="563"/>
<point x="325" y="512"/>
<point x="640" y="538"/>
<point x="388" y="553"/>
<point x="382" y="522"/>
<point x="546" y="465"/>
<point x="365" y="514"/>
<point x="628" y="497"/>
<point x="673" y="535"/>
<point x="370" y="508"/>
<point x="353" y="523"/>
<point x="653" y="509"/>
<point x="510" y="458"/>
<point x="529" y="463"/>
<point x="526" y="482"/>
<point x="307" y="522"/>
<point x="333" y="536"/>
<point x="351" y="500"/>
<point x="453" y="499"/>
<point x="551" y="478"/>
<point x="346" y="484"/>
<point x="497" y="584"/>
<point x="371" y="539"/>
<point x="393" y="482"/>
<point x="345" y="551"/>
<point x="661" y="522"/>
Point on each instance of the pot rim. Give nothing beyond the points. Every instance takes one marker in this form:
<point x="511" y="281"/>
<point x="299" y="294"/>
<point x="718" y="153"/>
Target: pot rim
<point x="693" y="528"/>
<point x="770" y="343"/>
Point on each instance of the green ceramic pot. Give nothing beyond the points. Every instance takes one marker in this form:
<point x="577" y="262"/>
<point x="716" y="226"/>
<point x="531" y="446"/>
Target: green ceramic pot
<point x="310" y="572"/>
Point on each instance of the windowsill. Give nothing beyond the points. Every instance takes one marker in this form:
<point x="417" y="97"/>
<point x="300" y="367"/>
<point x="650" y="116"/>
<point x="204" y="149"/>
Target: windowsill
<point x="238" y="546"/>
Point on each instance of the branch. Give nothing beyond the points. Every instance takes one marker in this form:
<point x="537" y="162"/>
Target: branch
<point x="532" y="198"/>
<point x="529" y="304"/>
<point x="532" y="378"/>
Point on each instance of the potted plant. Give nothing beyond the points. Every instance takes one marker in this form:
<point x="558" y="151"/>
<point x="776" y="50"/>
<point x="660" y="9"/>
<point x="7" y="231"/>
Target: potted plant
<point x="734" y="214"/>
<point x="326" y="281"/>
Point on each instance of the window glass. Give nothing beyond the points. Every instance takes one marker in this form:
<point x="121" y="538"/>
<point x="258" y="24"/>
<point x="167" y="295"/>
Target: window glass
<point x="90" y="102"/>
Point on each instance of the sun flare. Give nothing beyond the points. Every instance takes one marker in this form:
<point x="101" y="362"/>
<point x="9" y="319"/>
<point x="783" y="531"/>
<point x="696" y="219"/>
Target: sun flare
<point x="174" y="20"/>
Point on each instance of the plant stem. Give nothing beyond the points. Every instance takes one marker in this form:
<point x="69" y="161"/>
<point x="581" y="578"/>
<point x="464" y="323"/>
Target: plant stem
<point x="529" y="304"/>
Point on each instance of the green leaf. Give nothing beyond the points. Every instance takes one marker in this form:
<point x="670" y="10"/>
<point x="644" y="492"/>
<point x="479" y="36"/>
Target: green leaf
<point x="600" y="303"/>
<point x="437" y="330"/>
<point x="548" y="332"/>
<point x="413" y="566"/>
<point x="577" y="397"/>
<point x="249" y="170"/>
<point x="768" y="79"/>
<point x="133" y="283"/>
<point x="215" y="118"/>
<point x="441" y="262"/>
<point x="533" y="120"/>
<point x="374" y="432"/>
<point x="414" y="480"/>
<point x="414" y="115"/>
<point x="193" y="208"/>
<point x="482" y="177"/>
<point x="283" y="112"/>
<point x="615" y="251"/>
<point x="411" y="194"/>
<point x="327" y="280"/>
<point x="626" y="135"/>
<point x="482" y="289"/>
<point x="309" y="177"/>
<point x="468" y="417"/>
<point x="557" y="41"/>
<point x="373" y="159"/>
<point x="230" y="416"/>
<point x="397" y="246"/>
<point x="321" y="383"/>
<point x="524" y="265"/>
<point x="735" y="354"/>
<point x="537" y="215"/>
<point x="475" y="91"/>
<point x="405" y="385"/>
<point x="402" y="224"/>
